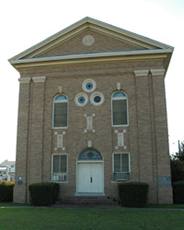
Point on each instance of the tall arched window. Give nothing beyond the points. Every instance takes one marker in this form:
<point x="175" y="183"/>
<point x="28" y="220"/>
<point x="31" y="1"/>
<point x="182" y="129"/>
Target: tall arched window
<point x="60" y="111"/>
<point x="119" y="109"/>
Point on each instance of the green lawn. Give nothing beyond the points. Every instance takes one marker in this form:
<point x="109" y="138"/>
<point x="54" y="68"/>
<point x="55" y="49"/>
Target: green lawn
<point x="25" y="218"/>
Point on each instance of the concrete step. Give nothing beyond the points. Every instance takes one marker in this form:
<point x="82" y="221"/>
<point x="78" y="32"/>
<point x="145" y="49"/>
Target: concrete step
<point x="87" y="200"/>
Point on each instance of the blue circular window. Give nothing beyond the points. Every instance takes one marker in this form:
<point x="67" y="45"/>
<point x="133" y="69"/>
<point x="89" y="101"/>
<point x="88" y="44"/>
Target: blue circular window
<point x="97" y="98"/>
<point x="89" y="85"/>
<point x="81" y="99"/>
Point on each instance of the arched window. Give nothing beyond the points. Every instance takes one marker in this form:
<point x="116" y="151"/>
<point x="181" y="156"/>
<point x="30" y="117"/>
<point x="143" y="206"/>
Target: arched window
<point x="90" y="154"/>
<point x="60" y="111"/>
<point x="119" y="109"/>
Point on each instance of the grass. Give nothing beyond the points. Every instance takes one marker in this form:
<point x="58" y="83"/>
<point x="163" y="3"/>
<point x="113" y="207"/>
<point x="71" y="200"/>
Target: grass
<point x="29" y="218"/>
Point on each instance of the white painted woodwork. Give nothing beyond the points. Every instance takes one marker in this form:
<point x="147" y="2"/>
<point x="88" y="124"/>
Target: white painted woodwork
<point x="60" y="141"/>
<point x="90" y="178"/>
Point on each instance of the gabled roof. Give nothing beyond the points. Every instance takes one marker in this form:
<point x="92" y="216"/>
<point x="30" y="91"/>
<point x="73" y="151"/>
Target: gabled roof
<point x="151" y="46"/>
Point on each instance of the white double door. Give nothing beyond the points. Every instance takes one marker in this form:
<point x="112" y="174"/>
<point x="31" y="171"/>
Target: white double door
<point x="90" y="178"/>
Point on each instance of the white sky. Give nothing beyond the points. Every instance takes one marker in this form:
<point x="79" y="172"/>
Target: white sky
<point x="24" y="23"/>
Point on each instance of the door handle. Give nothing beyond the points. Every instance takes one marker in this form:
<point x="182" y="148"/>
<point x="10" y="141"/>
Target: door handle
<point x="91" y="180"/>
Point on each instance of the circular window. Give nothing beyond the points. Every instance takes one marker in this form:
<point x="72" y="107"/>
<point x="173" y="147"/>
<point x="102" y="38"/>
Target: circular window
<point x="89" y="85"/>
<point x="88" y="40"/>
<point x="97" y="98"/>
<point x="81" y="99"/>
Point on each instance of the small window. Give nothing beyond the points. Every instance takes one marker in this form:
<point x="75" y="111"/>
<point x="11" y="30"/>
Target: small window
<point x="81" y="99"/>
<point x="59" y="168"/>
<point x="60" y="110"/>
<point x="121" y="167"/>
<point x="119" y="109"/>
<point x="89" y="85"/>
<point x="97" y="98"/>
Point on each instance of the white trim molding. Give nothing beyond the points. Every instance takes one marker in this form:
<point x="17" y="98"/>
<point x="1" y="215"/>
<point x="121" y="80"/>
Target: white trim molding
<point x="158" y="72"/>
<point x="89" y="143"/>
<point x="141" y="73"/>
<point x="39" y="79"/>
<point x="24" y="80"/>
<point x="118" y="85"/>
<point x="89" y="123"/>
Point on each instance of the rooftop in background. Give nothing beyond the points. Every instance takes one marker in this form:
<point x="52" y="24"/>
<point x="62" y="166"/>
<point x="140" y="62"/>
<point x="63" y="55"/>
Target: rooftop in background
<point x="7" y="163"/>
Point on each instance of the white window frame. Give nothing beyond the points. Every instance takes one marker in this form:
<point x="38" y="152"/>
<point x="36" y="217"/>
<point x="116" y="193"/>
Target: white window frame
<point x="129" y="163"/>
<point x="60" y="154"/>
<point x="53" y="102"/>
<point x="114" y="99"/>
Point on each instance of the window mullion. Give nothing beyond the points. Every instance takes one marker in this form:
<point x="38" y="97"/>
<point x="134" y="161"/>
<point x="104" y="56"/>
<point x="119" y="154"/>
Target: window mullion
<point x="121" y="165"/>
<point x="60" y="164"/>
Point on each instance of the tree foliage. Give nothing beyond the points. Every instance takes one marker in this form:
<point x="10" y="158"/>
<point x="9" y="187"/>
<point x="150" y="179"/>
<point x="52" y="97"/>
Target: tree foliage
<point x="180" y="154"/>
<point x="177" y="164"/>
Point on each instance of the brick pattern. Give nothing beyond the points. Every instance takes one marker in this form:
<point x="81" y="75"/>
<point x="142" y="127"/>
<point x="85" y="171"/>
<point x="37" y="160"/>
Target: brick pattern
<point x="20" y="191"/>
<point x="146" y="136"/>
<point x="103" y="43"/>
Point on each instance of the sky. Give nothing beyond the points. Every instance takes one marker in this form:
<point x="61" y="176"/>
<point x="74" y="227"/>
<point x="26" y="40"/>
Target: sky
<point x="24" y="23"/>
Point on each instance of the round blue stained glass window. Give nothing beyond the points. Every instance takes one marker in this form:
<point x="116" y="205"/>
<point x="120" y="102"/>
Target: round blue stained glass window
<point x="89" y="86"/>
<point x="81" y="99"/>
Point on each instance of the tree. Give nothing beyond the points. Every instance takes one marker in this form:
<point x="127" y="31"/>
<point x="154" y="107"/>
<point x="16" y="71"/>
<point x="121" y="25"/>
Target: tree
<point x="177" y="163"/>
<point x="180" y="154"/>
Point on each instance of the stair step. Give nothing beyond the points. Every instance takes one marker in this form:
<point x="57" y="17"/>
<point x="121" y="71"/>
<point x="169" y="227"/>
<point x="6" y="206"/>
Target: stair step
<point x="87" y="200"/>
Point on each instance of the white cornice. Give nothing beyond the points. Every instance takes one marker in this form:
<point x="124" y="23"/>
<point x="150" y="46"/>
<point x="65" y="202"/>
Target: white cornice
<point x="39" y="79"/>
<point x="141" y="73"/>
<point x="91" y="55"/>
<point x="158" y="72"/>
<point x="24" y="80"/>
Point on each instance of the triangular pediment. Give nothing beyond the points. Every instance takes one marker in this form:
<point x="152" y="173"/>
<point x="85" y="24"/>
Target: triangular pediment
<point x="89" y="40"/>
<point x="92" y="38"/>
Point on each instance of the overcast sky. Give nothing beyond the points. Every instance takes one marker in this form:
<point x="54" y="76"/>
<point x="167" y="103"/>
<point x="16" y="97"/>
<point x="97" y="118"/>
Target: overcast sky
<point x="25" y="23"/>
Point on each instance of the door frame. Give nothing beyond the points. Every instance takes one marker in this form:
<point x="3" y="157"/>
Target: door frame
<point x="77" y="176"/>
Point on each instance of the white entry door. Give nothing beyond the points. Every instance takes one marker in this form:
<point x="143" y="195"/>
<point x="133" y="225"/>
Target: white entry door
<point x="90" y="178"/>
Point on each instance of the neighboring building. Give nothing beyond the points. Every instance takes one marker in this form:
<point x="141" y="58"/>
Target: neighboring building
<point x="7" y="170"/>
<point x="92" y="112"/>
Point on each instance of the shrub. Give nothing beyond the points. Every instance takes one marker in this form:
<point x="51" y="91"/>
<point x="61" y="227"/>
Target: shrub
<point x="178" y="192"/>
<point x="133" y="194"/>
<point x="6" y="191"/>
<point x="43" y="194"/>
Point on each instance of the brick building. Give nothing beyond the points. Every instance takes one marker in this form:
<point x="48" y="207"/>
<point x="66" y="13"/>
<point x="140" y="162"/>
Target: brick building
<point x="92" y="112"/>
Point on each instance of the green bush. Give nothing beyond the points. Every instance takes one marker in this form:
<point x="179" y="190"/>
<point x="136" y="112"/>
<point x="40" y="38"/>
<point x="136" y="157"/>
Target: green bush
<point x="178" y="192"/>
<point x="43" y="194"/>
<point x="6" y="191"/>
<point x="133" y="194"/>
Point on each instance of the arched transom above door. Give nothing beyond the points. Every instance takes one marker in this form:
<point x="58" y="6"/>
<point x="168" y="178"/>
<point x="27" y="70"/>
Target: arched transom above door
<point x="90" y="154"/>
